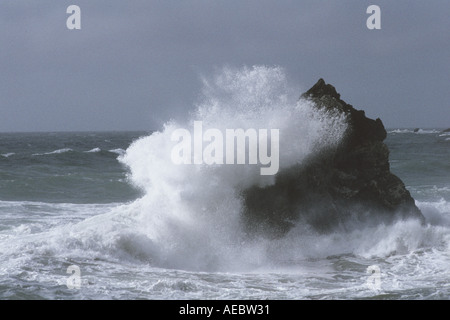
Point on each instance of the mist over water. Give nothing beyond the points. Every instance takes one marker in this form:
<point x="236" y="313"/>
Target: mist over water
<point x="179" y="233"/>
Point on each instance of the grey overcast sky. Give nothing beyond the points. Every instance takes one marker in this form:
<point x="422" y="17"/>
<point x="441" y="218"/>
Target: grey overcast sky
<point x="135" y="64"/>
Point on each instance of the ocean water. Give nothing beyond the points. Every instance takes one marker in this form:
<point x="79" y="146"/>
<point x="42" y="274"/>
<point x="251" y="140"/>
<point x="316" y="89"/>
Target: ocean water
<point x="113" y="207"/>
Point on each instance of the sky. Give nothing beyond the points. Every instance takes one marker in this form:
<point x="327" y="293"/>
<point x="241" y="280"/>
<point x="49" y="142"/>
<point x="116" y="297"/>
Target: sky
<point x="134" y="65"/>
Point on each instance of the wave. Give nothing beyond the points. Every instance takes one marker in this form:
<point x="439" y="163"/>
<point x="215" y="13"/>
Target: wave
<point x="417" y="131"/>
<point x="94" y="150"/>
<point x="63" y="150"/>
<point x="126" y="233"/>
<point x="118" y="151"/>
<point x="436" y="212"/>
<point x="75" y="152"/>
<point x="7" y="155"/>
<point x="401" y="131"/>
<point x="425" y="131"/>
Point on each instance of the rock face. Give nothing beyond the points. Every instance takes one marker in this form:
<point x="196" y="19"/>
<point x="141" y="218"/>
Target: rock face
<point x="341" y="187"/>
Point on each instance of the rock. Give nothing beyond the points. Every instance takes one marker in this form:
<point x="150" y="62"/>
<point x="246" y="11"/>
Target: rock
<point x="341" y="187"/>
<point x="446" y="130"/>
<point x="416" y="129"/>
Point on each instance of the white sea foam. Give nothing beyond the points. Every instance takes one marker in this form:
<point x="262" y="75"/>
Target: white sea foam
<point x="417" y="131"/>
<point x="7" y="155"/>
<point x="401" y="131"/>
<point x="63" y="150"/>
<point x="427" y="131"/>
<point x="118" y="151"/>
<point x="94" y="150"/>
<point x="436" y="212"/>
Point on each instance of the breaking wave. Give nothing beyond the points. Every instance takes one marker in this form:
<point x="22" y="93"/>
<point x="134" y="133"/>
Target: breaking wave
<point x="189" y="216"/>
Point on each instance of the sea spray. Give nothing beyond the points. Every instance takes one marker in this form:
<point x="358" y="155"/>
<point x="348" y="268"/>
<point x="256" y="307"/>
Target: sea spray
<point x="190" y="216"/>
<point x="193" y="212"/>
<point x="146" y="249"/>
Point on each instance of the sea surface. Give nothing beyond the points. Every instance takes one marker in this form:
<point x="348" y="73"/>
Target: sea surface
<point x="109" y="215"/>
<point x="70" y="200"/>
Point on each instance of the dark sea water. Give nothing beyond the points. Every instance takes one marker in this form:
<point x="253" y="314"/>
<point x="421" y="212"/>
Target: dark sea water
<point x="70" y="199"/>
<point x="65" y="167"/>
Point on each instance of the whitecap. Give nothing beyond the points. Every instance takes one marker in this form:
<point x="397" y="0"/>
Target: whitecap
<point x="118" y="151"/>
<point x="63" y="150"/>
<point x="427" y="131"/>
<point x="7" y="155"/>
<point x="401" y="131"/>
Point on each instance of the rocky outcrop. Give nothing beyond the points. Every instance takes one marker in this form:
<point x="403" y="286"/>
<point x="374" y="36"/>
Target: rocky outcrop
<point x="446" y="130"/>
<point x="341" y="187"/>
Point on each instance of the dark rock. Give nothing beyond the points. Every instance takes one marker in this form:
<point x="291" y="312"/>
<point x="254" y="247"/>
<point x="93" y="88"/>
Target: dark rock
<point x="446" y="130"/>
<point x="416" y="129"/>
<point x="340" y="187"/>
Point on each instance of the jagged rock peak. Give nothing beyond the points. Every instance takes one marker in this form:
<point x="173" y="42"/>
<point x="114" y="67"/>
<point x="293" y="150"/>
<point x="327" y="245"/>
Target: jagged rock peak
<point x="361" y="128"/>
<point x="337" y="187"/>
<point x="321" y="89"/>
